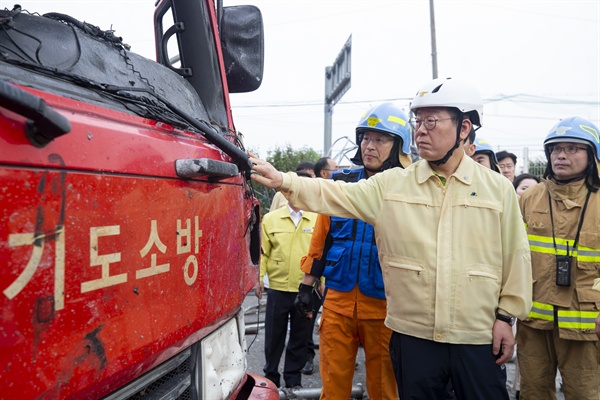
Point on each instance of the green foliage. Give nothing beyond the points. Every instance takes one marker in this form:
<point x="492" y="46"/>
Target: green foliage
<point x="284" y="159"/>
<point x="537" y="167"/>
<point x="263" y="195"/>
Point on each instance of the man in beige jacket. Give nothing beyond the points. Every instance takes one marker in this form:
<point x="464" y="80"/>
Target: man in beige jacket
<point x="452" y="296"/>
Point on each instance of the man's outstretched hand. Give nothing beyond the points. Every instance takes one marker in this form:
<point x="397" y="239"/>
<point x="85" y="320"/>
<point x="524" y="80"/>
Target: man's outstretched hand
<point x="264" y="173"/>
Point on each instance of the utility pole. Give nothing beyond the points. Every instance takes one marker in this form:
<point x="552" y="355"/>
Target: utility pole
<point x="433" y="45"/>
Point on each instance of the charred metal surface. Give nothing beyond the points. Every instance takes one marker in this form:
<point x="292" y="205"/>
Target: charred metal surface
<point x="43" y="314"/>
<point x="62" y="188"/>
<point x="44" y="309"/>
<point x="62" y="46"/>
<point x="96" y="347"/>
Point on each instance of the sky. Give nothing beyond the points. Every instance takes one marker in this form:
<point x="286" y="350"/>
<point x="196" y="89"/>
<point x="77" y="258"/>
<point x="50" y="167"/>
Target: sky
<point x="533" y="61"/>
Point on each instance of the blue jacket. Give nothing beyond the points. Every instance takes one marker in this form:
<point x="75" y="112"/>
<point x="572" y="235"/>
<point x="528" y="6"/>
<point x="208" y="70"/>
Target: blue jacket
<point x="352" y="257"/>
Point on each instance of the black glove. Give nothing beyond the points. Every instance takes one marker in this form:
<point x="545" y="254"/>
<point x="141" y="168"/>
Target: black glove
<point x="303" y="301"/>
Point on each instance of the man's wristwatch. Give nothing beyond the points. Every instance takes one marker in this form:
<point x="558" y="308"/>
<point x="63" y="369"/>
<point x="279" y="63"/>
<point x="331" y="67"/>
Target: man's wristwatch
<point x="505" y="318"/>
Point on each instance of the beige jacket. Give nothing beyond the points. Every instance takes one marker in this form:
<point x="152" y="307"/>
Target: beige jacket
<point x="451" y="255"/>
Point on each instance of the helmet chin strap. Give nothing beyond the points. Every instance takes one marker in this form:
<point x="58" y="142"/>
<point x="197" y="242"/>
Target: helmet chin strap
<point x="565" y="181"/>
<point x="584" y="175"/>
<point x="391" y="162"/>
<point x="374" y="171"/>
<point x="444" y="159"/>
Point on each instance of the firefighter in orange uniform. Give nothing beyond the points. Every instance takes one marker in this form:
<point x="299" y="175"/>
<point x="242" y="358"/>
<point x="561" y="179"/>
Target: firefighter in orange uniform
<point x="562" y="216"/>
<point x="343" y="250"/>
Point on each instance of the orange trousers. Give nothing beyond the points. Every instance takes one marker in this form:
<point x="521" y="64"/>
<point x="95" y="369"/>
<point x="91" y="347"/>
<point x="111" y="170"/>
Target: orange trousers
<point x="339" y="340"/>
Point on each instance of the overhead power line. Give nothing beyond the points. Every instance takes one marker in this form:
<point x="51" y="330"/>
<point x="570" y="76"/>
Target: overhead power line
<point x="514" y="98"/>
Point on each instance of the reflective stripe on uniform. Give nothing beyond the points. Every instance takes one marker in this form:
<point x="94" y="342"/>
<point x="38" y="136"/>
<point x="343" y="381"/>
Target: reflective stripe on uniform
<point x="567" y="319"/>
<point x="542" y="311"/>
<point x="541" y="244"/>
<point x="574" y="319"/>
<point x="545" y="244"/>
<point x="588" y="254"/>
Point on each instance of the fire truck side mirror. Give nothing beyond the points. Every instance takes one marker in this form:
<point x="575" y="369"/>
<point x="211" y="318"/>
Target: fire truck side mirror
<point x="242" y="42"/>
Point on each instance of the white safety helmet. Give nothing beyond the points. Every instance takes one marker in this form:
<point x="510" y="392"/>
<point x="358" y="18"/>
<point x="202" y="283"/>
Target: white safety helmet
<point x="448" y="92"/>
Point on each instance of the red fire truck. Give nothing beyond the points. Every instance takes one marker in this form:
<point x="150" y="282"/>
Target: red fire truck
<point x="129" y="235"/>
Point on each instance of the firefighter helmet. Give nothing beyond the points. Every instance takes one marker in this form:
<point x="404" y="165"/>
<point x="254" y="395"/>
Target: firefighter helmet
<point x="578" y="130"/>
<point x="450" y="92"/>
<point x="389" y="119"/>
<point x="483" y="146"/>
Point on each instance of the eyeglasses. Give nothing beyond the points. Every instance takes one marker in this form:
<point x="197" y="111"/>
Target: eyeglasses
<point x="507" y="167"/>
<point x="374" y="141"/>
<point x="429" y="122"/>
<point x="556" y="150"/>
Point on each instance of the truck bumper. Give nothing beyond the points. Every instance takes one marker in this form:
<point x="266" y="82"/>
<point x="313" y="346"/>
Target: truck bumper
<point x="257" y="388"/>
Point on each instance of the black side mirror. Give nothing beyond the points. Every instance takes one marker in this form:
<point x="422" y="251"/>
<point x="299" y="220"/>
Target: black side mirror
<point x="242" y="41"/>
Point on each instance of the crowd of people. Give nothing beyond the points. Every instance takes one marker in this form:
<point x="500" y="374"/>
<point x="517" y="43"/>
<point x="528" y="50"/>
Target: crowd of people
<point x="428" y="265"/>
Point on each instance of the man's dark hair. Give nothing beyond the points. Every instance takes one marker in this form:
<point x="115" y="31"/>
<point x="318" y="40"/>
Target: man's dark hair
<point x="501" y="155"/>
<point x="524" y="176"/>
<point x="304" y="174"/>
<point x="321" y="164"/>
<point x="471" y="136"/>
<point x="305" y="165"/>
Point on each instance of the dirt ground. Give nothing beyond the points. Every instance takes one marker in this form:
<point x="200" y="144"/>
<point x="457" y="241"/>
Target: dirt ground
<point x="255" y="342"/>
